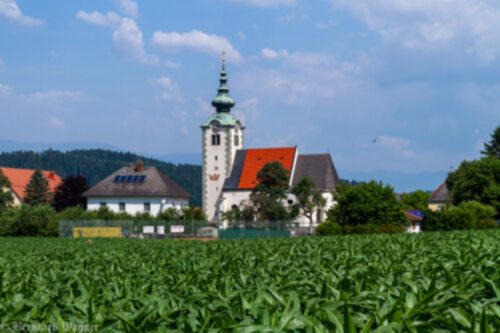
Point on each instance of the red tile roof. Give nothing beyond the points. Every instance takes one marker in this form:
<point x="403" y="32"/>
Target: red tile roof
<point x="19" y="178"/>
<point x="256" y="158"/>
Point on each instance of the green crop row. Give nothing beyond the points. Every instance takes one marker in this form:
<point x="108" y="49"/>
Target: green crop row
<point x="435" y="282"/>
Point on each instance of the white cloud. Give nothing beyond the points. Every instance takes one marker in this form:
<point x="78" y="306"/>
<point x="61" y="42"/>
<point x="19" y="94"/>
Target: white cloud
<point x="53" y="95"/>
<point x="5" y="89"/>
<point x="270" y="54"/>
<point x="172" y="64"/>
<point x="129" y="8"/>
<point x="290" y="18"/>
<point x="170" y="90"/>
<point x="464" y="25"/>
<point x="396" y="144"/>
<point x="198" y="41"/>
<point x="11" y="11"/>
<point x="128" y="39"/>
<point x="110" y="19"/>
<point x="56" y="123"/>
<point x="267" y="3"/>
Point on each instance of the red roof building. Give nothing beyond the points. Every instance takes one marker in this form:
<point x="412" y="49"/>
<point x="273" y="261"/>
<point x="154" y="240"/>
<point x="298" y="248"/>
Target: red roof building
<point x="19" y="179"/>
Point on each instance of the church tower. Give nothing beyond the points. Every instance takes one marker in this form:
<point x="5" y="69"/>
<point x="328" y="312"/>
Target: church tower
<point x="222" y="136"/>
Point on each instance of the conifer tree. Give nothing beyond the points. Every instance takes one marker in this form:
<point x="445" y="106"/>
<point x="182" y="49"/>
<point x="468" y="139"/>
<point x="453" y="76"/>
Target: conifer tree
<point x="37" y="190"/>
<point x="5" y="195"/>
<point x="492" y="148"/>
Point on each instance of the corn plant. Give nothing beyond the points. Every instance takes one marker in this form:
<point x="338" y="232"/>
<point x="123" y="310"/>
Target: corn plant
<point x="435" y="282"/>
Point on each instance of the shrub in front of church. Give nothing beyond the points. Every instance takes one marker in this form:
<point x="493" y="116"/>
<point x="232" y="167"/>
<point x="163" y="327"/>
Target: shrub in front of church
<point x="332" y="228"/>
<point x="328" y="229"/>
<point x="366" y="206"/>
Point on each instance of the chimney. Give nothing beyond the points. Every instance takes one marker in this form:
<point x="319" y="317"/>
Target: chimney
<point x="139" y="167"/>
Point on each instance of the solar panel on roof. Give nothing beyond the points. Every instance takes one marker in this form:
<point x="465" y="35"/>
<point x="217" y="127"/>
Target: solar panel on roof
<point x="129" y="179"/>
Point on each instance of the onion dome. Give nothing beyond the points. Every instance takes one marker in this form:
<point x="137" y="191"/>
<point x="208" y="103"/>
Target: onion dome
<point x="223" y="102"/>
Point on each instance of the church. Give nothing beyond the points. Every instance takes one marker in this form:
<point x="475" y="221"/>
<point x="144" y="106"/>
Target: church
<point x="230" y="170"/>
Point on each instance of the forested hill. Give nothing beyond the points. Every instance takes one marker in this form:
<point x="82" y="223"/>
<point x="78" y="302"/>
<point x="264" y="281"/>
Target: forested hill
<point x="96" y="164"/>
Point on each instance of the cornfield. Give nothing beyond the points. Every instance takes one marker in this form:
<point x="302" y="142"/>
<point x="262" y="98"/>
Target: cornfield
<point x="436" y="282"/>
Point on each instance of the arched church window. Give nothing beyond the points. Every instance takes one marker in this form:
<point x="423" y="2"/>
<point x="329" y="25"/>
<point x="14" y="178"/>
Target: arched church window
<point x="236" y="140"/>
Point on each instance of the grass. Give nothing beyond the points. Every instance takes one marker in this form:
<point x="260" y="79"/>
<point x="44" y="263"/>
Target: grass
<point x="436" y="282"/>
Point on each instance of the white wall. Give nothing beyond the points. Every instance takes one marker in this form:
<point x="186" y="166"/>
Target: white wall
<point x="230" y="198"/>
<point x="136" y="205"/>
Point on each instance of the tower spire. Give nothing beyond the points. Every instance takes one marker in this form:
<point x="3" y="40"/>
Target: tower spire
<point x="223" y="101"/>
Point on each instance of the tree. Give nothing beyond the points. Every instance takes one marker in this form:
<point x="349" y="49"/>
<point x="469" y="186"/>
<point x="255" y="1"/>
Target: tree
<point x="6" y="197"/>
<point x="267" y="197"/>
<point x="492" y="148"/>
<point x="308" y="200"/>
<point x="70" y="193"/>
<point x="477" y="180"/>
<point x="233" y="216"/>
<point x="369" y="203"/>
<point x="37" y="190"/>
<point x="416" y="200"/>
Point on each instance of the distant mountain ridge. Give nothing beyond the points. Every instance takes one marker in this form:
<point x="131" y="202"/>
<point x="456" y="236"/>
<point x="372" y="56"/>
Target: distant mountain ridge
<point x="7" y="146"/>
<point x="96" y="164"/>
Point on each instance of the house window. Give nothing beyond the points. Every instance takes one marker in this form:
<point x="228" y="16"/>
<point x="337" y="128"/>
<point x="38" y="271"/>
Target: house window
<point x="121" y="206"/>
<point x="216" y="157"/>
<point x="147" y="207"/>
<point x="216" y="139"/>
<point x="236" y="140"/>
<point x="103" y="205"/>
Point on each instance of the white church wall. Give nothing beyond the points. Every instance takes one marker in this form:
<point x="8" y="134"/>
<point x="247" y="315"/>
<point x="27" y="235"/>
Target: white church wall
<point x="236" y="198"/>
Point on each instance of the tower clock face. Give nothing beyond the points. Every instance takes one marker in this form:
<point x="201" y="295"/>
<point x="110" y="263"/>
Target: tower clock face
<point x="216" y="127"/>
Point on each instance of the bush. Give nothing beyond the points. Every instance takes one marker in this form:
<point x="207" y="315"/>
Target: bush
<point x="30" y="221"/>
<point x="390" y="229"/>
<point x="468" y="215"/>
<point x="487" y="224"/>
<point x="328" y="229"/>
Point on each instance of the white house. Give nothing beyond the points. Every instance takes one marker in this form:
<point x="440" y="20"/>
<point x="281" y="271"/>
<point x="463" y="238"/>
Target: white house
<point x="135" y="190"/>
<point x="230" y="172"/>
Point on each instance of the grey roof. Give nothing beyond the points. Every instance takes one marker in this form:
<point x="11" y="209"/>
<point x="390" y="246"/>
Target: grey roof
<point x="156" y="184"/>
<point x="319" y="168"/>
<point x="441" y="194"/>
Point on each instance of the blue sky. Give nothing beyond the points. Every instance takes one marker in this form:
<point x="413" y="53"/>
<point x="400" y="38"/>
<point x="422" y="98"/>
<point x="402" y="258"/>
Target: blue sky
<point x="421" y="77"/>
